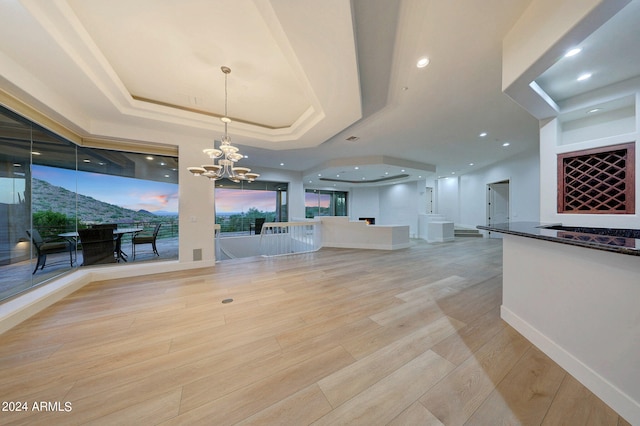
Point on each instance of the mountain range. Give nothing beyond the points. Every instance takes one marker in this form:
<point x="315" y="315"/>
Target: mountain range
<point x="50" y="197"/>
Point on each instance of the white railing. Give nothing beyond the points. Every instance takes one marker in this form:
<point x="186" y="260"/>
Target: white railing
<point x="216" y="239"/>
<point x="279" y="238"/>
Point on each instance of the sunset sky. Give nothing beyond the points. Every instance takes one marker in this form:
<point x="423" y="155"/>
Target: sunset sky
<point x="233" y="200"/>
<point x="137" y="194"/>
<point x="134" y="194"/>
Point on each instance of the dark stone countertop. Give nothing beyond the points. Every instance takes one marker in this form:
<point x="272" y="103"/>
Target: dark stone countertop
<point x="614" y="240"/>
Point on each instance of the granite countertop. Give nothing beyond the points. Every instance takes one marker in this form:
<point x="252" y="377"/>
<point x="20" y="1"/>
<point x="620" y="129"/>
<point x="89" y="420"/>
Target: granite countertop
<point x="624" y="241"/>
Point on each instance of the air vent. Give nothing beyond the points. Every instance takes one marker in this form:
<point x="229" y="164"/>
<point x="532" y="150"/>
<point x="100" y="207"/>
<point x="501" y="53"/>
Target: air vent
<point x="352" y="138"/>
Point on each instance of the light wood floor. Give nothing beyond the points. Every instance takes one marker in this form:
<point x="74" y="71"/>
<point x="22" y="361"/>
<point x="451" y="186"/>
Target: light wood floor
<point x="409" y="337"/>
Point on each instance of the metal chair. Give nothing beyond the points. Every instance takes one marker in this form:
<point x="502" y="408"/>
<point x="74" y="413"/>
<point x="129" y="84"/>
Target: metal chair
<point x="141" y="238"/>
<point x="44" y="247"/>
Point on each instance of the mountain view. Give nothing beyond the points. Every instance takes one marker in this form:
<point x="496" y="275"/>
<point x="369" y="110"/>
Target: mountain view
<point x="49" y="197"/>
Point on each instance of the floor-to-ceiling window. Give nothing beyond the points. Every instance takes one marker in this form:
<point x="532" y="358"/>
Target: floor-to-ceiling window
<point x="50" y="188"/>
<point x="325" y="203"/>
<point x="238" y="205"/>
<point x="15" y="203"/>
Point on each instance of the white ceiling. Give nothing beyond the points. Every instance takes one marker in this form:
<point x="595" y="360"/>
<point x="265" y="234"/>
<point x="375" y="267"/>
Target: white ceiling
<point x="306" y="75"/>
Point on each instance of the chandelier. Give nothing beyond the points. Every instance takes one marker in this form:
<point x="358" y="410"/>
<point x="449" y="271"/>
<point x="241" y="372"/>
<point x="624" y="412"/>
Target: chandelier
<point x="227" y="155"/>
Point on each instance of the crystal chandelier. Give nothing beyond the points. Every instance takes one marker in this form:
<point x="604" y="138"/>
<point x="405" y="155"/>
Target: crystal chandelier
<point x="227" y="155"/>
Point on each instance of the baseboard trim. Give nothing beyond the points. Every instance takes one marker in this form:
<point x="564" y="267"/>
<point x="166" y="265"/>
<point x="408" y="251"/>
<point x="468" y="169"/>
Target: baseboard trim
<point x="622" y="403"/>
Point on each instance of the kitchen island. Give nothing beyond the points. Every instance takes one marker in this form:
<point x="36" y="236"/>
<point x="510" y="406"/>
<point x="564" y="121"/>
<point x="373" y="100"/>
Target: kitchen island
<point x="576" y="296"/>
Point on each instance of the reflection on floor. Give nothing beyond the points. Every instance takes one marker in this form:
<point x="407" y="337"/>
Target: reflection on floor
<point x="18" y="277"/>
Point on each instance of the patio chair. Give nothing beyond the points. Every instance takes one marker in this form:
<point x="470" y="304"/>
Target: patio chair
<point x="259" y="222"/>
<point x="98" y="246"/>
<point x="142" y="238"/>
<point x="44" y="247"/>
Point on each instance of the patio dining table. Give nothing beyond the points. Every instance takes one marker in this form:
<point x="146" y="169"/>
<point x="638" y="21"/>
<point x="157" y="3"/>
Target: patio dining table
<point x="118" y="232"/>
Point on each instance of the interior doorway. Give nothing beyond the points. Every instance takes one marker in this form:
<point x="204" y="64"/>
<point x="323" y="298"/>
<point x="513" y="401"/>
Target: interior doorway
<point x="497" y="204"/>
<point x="429" y="199"/>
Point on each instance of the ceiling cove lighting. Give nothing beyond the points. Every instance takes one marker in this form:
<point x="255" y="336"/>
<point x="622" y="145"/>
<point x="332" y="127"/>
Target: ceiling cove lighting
<point x="227" y="155"/>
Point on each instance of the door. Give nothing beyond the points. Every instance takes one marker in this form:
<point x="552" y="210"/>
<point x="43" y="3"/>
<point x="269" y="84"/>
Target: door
<point x="429" y="199"/>
<point x="497" y="204"/>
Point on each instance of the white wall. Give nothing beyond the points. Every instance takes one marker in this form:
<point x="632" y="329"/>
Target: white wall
<point x="522" y="171"/>
<point x="399" y="205"/>
<point x="558" y="135"/>
<point x="364" y="202"/>
<point x="448" y="194"/>
<point x="195" y="205"/>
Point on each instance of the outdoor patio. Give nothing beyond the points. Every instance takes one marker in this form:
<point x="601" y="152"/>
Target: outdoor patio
<point x="18" y="276"/>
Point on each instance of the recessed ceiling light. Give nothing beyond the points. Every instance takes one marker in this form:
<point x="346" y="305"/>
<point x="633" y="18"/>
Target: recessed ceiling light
<point x="352" y="138"/>
<point x="402" y="170"/>
<point x="17" y="165"/>
<point x="471" y="164"/>
<point x="246" y="156"/>
<point x="423" y="62"/>
<point x="386" y="173"/>
<point x="35" y="153"/>
<point x="506" y="144"/>
<point x="572" y="52"/>
<point x="405" y="88"/>
<point x="453" y="173"/>
<point x="591" y="111"/>
<point x="357" y="168"/>
<point x="364" y="178"/>
<point x="483" y="134"/>
<point x="337" y="175"/>
<point x="86" y="160"/>
<point x="149" y="157"/>
<point x="585" y="76"/>
<point x="319" y="174"/>
<point x="166" y="176"/>
<point x="282" y="164"/>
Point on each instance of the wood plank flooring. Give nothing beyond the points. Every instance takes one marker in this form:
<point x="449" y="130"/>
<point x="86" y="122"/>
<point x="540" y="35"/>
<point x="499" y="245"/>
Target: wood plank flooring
<point x="340" y="336"/>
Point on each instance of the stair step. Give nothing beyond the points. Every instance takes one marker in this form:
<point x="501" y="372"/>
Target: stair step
<point x="466" y="233"/>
